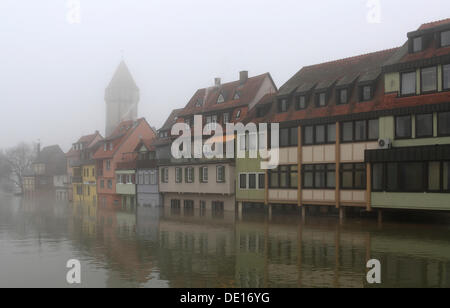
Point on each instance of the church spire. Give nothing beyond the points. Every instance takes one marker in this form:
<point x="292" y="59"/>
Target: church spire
<point x="121" y="97"/>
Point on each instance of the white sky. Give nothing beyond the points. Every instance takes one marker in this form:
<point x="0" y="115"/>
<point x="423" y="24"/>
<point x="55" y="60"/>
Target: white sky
<point x="53" y="73"/>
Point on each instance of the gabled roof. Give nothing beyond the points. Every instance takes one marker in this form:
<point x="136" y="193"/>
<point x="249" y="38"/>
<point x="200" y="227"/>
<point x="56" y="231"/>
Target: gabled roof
<point x="87" y="141"/>
<point x="342" y="72"/>
<point x="117" y="138"/>
<point x="148" y="143"/>
<point x="122" y="78"/>
<point x="208" y="96"/>
<point x="171" y="120"/>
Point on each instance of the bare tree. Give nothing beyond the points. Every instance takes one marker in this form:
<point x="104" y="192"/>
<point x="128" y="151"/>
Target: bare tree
<point x="19" y="159"/>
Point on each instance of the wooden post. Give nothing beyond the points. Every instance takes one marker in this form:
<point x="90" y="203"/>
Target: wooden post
<point x="369" y="187"/>
<point x="338" y="165"/>
<point x="380" y="217"/>
<point x="341" y="214"/>
<point x="299" y="166"/>
<point x="270" y="212"/>
<point x="266" y="188"/>
<point x="239" y="210"/>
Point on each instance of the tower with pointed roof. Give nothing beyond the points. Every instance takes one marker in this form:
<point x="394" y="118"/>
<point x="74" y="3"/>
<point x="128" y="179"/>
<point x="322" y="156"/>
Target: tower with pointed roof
<point x="122" y="98"/>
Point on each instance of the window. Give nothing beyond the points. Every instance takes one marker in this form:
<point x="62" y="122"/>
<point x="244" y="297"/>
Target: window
<point x="237" y="95"/>
<point x="147" y="179"/>
<point x="377" y="177"/>
<point x="203" y="174"/>
<point x="434" y="176"/>
<point x="289" y="137"/>
<point x="366" y="93"/>
<point x="284" y="177"/>
<point x="353" y="176"/>
<point x="102" y="184"/>
<point x="446" y="77"/>
<point x="424" y="125"/>
<point x="238" y="115"/>
<point x="403" y="127"/>
<point x="308" y="135"/>
<point x="300" y="103"/>
<point x="446" y="176"/>
<point x="319" y="176"/>
<point x="189" y="174"/>
<point x="165" y="175"/>
<point x="444" y="124"/>
<point x="331" y="133"/>
<point x="347" y="131"/>
<point x="109" y="184"/>
<point x="243" y="181"/>
<point x="220" y="174"/>
<point x="220" y="99"/>
<point x="283" y="105"/>
<point x="199" y="103"/>
<point x="217" y="209"/>
<point x="343" y="96"/>
<point x="178" y="175"/>
<point x="261" y="181"/>
<point x="320" y="134"/>
<point x="175" y="204"/>
<point x="153" y="177"/>
<point x="226" y="118"/>
<point x="108" y="165"/>
<point x="321" y="99"/>
<point x="360" y="131"/>
<point x="374" y="129"/>
<point x="252" y="181"/>
<point x="417" y="44"/>
<point x="445" y="38"/>
<point x="408" y="83"/>
<point x="428" y="79"/>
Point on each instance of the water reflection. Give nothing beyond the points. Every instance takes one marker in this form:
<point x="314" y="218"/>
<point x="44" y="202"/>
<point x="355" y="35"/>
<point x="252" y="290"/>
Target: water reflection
<point x="162" y="247"/>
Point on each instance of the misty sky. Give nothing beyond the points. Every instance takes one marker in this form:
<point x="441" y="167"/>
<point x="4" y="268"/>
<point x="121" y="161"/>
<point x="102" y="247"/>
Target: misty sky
<point x="53" y="74"/>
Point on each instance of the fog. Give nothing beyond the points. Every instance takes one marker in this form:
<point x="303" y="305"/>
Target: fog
<point x="53" y="73"/>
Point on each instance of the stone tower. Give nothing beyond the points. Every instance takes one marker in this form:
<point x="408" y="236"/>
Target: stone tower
<point x="122" y="98"/>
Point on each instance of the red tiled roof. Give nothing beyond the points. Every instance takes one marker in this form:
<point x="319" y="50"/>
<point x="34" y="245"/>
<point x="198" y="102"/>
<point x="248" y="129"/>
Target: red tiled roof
<point x="119" y="135"/>
<point x="172" y="119"/>
<point x="434" y="24"/>
<point x="87" y="140"/>
<point x="209" y="96"/>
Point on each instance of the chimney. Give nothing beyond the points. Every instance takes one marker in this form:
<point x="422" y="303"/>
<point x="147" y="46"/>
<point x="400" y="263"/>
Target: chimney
<point x="243" y="77"/>
<point x="217" y="82"/>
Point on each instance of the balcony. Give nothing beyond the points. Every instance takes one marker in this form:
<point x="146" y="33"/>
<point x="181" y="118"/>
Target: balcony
<point x="126" y="189"/>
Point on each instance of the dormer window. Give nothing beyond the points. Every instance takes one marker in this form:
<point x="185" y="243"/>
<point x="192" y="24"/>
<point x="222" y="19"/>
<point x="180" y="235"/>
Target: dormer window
<point x="417" y="44"/>
<point x="321" y="99"/>
<point x="445" y="38"/>
<point x="105" y="147"/>
<point x="300" y="103"/>
<point x="238" y="115"/>
<point x="283" y="105"/>
<point x="366" y="93"/>
<point x="221" y="99"/>
<point x="342" y="96"/>
<point x="237" y="96"/>
<point x="199" y="103"/>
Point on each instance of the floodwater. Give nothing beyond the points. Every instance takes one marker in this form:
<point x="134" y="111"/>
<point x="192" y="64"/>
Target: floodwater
<point x="148" y="247"/>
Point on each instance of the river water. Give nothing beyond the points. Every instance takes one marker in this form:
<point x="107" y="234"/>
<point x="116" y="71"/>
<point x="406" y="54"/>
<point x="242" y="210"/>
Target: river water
<point x="148" y="247"/>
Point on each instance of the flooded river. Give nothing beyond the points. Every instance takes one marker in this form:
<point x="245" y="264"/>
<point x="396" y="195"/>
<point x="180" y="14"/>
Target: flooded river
<point x="148" y="247"/>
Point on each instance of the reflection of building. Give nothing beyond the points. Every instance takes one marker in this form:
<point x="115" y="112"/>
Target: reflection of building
<point x="147" y="175"/>
<point x="48" y="173"/>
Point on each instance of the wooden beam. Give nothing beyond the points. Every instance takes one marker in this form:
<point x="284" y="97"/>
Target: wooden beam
<point x="299" y="166"/>
<point x="338" y="165"/>
<point x="369" y="187"/>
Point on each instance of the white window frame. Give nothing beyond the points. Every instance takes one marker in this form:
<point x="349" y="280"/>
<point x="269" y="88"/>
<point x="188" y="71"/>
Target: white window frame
<point x="204" y="178"/>
<point x="178" y="175"/>
<point x="218" y="180"/>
